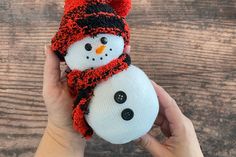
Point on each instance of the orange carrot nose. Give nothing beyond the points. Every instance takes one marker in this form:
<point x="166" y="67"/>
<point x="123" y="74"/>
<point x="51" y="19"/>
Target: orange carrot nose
<point x="100" y="49"/>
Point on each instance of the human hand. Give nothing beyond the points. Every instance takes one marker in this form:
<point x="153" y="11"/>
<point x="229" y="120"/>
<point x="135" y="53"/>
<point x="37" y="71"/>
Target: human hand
<point x="59" y="138"/>
<point x="56" y="93"/>
<point x="181" y="137"/>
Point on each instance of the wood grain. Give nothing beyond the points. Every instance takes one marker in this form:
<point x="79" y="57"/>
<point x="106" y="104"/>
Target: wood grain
<point x="187" y="46"/>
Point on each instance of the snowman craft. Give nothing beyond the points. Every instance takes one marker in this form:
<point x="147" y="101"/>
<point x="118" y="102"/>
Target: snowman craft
<point x="112" y="98"/>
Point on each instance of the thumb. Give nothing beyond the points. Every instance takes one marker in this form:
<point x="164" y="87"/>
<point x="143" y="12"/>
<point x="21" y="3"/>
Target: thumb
<point x="149" y="143"/>
<point x="52" y="70"/>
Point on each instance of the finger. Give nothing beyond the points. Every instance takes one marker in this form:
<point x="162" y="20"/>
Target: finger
<point x="149" y="143"/>
<point x="170" y="109"/>
<point x="127" y="49"/>
<point x="51" y="68"/>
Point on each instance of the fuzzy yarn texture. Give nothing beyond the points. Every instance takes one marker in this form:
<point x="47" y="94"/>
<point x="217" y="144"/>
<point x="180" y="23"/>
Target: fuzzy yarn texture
<point x="124" y="107"/>
<point x="84" y="18"/>
<point x="82" y="84"/>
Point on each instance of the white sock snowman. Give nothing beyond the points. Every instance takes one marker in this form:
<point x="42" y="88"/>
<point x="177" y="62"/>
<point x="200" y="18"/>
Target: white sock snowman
<point x="125" y="106"/>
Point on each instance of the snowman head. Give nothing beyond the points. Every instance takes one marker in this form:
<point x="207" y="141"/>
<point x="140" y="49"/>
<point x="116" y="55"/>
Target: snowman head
<point x="93" y="52"/>
<point x="84" y="29"/>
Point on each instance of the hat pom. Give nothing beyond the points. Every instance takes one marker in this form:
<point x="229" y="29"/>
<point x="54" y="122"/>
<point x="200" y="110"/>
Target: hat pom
<point x="99" y="1"/>
<point x="71" y="4"/>
<point x="122" y="7"/>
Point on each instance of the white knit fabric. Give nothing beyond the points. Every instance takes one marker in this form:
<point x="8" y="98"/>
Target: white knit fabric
<point x="105" y="113"/>
<point x="76" y="57"/>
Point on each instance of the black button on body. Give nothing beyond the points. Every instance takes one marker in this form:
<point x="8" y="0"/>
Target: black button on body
<point x="127" y="114"/>
<point x="120" y="97"/>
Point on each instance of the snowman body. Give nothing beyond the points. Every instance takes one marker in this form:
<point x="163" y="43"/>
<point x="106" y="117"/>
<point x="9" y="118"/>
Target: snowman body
<point x="125" y="106"/>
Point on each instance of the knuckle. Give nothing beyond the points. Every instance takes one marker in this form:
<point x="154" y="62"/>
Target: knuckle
<point x="173" y="101"/>
<point x="188" y="121"/>
<point x="44" y="94"/>
<point x="188" y="125"/>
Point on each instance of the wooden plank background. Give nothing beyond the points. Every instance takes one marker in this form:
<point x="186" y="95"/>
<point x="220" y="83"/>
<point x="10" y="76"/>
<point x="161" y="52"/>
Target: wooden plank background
<point x="187" y="46"/>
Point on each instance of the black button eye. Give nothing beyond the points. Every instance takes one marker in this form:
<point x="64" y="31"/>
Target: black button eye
<point x="127" y="114"/>
<point x="104" y="40"/>
<point x="120" y="97"/>
<point x="88" y="47"/>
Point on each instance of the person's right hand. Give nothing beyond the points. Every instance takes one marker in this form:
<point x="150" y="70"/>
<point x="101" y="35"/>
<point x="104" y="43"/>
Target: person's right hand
<point x="181" y="137"/>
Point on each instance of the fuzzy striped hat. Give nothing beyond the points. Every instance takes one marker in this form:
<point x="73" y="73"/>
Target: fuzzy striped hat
<point x="84" y="18"/>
